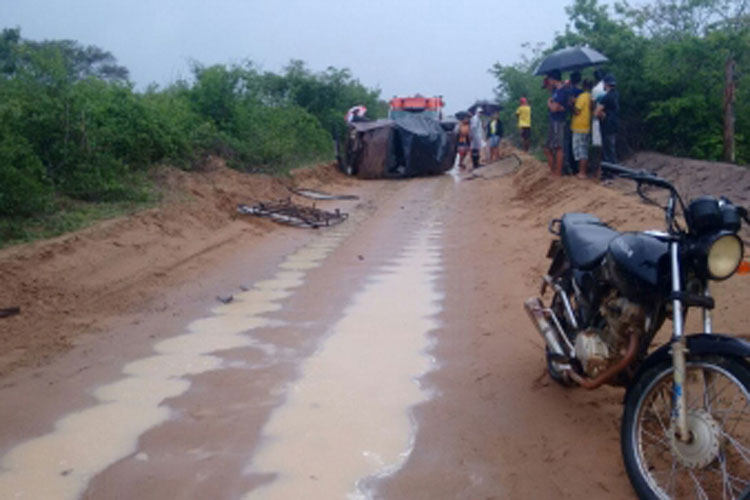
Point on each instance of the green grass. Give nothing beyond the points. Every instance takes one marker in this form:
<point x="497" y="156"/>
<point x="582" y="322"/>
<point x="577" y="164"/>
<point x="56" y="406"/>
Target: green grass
<point x="71" y="215"/>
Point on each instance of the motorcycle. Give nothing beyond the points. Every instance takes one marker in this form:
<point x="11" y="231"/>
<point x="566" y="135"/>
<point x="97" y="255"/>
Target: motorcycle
<point x="685" y="429"/>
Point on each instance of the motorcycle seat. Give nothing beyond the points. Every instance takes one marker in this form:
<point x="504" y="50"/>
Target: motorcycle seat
<point x="585" y="239"/>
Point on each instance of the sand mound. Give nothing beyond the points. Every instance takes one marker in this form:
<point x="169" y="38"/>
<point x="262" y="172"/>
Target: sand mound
<point x="64" y="285"/>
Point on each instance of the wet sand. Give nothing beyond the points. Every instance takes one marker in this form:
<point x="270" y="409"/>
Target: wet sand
<point x="268" y="397"/>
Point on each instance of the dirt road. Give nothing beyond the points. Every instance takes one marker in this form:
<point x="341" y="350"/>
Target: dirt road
<point x="388" y="357"/>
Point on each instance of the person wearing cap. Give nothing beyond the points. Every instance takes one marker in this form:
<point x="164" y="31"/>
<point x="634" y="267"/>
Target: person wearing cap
<point x="524" y="123"/>
<point x="553" y="149"/>
<point x="607" y="109"/>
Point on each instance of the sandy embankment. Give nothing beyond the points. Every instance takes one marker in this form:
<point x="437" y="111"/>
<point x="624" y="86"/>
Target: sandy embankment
<point x="76" y="283"/>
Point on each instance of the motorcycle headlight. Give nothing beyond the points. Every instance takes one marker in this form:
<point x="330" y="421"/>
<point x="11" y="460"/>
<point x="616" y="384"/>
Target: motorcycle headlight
<point x="724" y="256"/>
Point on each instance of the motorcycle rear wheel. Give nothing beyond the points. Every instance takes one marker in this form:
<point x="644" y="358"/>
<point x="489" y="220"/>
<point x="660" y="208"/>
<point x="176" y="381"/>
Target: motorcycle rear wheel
<point x="716" y="463"/>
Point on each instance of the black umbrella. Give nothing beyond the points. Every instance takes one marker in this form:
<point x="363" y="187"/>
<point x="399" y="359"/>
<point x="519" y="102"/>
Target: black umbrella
<point x="570" y="59"/>
<point x="488" y="107"/>
<point x="461" y="115"/>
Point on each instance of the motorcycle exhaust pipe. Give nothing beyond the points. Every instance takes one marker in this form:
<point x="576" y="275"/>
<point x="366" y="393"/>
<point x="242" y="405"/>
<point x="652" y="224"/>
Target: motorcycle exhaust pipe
<point x="535" y="309"/>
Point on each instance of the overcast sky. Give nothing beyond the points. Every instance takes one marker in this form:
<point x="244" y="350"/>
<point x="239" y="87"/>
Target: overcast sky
<point x="400" y="46"/>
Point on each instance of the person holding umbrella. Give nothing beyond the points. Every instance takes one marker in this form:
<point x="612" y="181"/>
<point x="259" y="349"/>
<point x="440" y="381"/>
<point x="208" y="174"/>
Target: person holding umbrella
<point x="556" y="104"/>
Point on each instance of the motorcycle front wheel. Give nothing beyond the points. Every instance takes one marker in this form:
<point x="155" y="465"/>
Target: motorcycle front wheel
<point x="715" y="462"/>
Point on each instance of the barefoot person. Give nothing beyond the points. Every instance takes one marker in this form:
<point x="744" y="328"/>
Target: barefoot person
<point x="553" y="149"/>
<point x="524" y="123"/>
<point x="463" y="133"/>
<point x="494" y="135"/>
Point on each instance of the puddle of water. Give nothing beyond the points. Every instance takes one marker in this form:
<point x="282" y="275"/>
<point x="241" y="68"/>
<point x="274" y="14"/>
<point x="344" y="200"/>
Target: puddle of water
<point x="348" y="417"/>
<point x="60" y="464"/>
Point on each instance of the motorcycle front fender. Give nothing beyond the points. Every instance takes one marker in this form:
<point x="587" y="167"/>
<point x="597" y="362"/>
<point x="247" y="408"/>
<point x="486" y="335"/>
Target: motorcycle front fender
<point x="701" y="343"/>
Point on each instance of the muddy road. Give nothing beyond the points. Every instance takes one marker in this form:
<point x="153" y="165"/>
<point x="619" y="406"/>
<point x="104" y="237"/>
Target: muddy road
<point x="387" y="357"/>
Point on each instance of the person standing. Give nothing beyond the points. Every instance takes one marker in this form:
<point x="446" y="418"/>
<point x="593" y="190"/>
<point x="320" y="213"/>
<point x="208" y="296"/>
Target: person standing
<point x="477" y="137"/>
<point x="463" y="133"/>
<point x="553" y="149"/>
<point x="580" y="127"/>
<point x="494" y="135"/>
<point x="572" y="89"/>
<point x="524" y="123"/>
<point x="607" y="110"/>
<point x="595" y="153"/>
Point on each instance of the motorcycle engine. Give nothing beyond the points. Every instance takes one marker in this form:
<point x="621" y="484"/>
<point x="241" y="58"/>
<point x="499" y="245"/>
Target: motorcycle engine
<point x="597" y="348"/>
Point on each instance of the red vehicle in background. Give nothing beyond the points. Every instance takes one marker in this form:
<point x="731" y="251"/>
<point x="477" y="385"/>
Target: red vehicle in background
<point x="429" y="106"/>
<point x="413" y="141"/>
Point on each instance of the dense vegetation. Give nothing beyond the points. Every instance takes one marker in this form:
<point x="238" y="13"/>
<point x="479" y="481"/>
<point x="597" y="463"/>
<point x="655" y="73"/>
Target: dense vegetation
<point x="75" y="133"/>
<point x="671" y="59"/>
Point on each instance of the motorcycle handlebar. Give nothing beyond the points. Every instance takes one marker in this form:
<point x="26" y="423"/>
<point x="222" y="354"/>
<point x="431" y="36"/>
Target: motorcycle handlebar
<point x="640" y="176"/>
<point x="651" y="179"/>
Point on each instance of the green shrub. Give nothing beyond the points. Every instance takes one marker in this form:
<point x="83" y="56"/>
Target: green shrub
<point x="103" y="178"/>
<point x="24" y="188"/>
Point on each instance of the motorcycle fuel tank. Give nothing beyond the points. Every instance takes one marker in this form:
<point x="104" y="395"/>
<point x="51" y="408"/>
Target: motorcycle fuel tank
<point x="638" y="265"/>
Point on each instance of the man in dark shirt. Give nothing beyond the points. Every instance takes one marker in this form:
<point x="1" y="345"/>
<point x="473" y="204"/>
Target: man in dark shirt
<point x="607" y="110"/>
<point x="556" y="131"/>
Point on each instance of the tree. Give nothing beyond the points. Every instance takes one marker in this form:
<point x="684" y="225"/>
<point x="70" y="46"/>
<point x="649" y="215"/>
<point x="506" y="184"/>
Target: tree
<point x="725" y="24"/>
<point x="516" y="81"/>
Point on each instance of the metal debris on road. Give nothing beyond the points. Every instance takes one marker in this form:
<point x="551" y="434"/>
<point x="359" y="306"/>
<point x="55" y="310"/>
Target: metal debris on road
<point x="321" y="195"/>
<point x="286" y="212"/>
<point x="9" y="311"/>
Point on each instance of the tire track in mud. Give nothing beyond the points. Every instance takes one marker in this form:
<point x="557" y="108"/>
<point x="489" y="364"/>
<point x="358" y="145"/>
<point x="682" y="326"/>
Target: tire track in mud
<point x="347" y="417"/>
<point x="60" y="464"/>
<point x="241" y="338"/>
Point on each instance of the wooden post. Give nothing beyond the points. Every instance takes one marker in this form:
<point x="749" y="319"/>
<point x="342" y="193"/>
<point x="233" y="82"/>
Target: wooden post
<point x="728" y="106"/>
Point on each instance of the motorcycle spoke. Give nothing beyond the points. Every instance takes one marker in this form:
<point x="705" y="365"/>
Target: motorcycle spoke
<point x="701" y="492"/>
<point x="742" y="450"/>
<point x="725" y="484"/>
<point x="731" y="485"/>
<point x="657" y="413"/>
<point x="654" y="437"/>
<point x="693" y="403"/>
<point x="709" y="390"/>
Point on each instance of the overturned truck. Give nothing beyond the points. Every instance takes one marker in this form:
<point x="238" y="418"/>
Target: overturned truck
<point x="408" y="146"/>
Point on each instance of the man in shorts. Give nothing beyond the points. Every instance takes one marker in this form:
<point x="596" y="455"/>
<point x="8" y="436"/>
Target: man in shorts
<point x="524" y="123"/>
<point x="463" y="134"/>
<point x="494" y="135"/>
<point x="553" y="149"/>
<point x="580" y="127"/>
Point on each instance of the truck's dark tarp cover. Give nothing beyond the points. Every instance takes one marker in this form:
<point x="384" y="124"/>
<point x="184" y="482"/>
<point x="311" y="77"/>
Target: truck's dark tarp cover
<point x="406" y="147"/>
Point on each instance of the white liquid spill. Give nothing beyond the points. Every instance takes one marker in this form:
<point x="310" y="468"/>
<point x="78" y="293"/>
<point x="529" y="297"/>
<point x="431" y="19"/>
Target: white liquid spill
<point x="348" y="417"/>
<point x="60" y="464"/>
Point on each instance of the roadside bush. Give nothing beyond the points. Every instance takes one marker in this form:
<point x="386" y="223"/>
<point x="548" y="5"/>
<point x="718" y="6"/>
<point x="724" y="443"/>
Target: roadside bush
<point x="669" y="58"/>
<point x="73" y="130"/>
<point x="103" y="178"/>
<point x="24" y="188"/>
